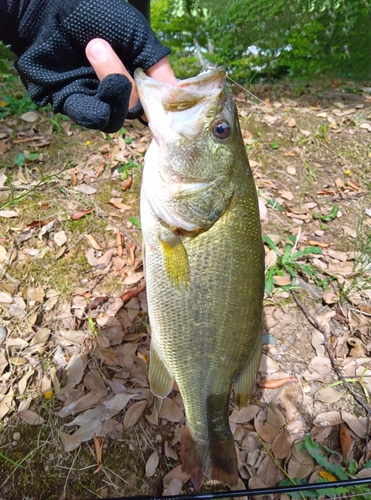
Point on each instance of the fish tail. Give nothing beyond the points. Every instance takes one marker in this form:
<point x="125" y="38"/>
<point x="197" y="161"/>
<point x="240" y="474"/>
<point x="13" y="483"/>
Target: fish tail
<point x="215" y="459"/>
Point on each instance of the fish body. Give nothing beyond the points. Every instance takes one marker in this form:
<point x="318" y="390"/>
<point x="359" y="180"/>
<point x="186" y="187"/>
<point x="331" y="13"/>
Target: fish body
<point x="204" y="263"/>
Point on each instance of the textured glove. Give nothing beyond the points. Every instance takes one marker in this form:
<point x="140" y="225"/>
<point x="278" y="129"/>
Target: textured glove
<point x="49" y="37"/>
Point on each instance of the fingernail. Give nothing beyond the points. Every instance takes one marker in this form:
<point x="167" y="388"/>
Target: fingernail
<point x="99" y="51"/>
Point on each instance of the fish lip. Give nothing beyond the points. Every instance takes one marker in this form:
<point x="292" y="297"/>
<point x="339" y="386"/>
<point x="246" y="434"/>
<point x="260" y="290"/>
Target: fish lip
<point x="204" y="77"/>
<point x="185" y="93"/>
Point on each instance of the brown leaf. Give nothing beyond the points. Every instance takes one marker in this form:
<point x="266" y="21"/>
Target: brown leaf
<point x="274" y="384"/>
<point x="134" y="413"/>
<point x="92" y="242"/>
<point x="328" y="418"/>
<point x="152" y="464"/>
<point x="244" y="415"/>
<point x="346" y="441"/>
<point x="126" y="184"/>
<point x="98" y="445"/>
<point x="328" y="395"/>
<point x="125" y="297"/>
<point x="117" y="202"/>
<point x="357" y="425"/>
<point x="265" y="430"/>
<point x="281" y="446"/>
<point x="35" y="294"/>
<point x="300" y="463"/>
<point x="31" y="417"/>
<point x="171" y="411"/>
<point x="81" y="214"/>
<point x="169" y="452"/>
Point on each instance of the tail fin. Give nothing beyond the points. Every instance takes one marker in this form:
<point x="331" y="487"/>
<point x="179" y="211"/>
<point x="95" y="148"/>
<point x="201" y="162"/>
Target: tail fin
<point x="215" y="459"/>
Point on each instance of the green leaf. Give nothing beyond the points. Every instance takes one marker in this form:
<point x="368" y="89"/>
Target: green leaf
<point x="274" y="145"/>
<point x="331" y="215"/>
<point x="33" y="156"/>
<point x="269" y="280"/>
<point x="19" y="160"/>
<point x="128" y="140"/>
<point x="135" y="221"/>
<point x="271" y="245"/>
<point x="317" y="451"/>
<point x="352" y="467"/>
<point x="275" y="205"/>
<point x="306" y="251"/>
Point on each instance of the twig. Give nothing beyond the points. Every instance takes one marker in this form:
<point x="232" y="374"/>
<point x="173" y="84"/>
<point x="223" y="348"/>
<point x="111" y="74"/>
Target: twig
<point x="336" y="368"/>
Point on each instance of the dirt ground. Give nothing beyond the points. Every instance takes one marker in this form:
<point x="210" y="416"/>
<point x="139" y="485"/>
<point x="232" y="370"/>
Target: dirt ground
<point x="78" y="419"/>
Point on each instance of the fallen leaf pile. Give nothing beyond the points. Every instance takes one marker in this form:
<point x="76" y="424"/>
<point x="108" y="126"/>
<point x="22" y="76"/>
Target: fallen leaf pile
<point x="74" y="332"/>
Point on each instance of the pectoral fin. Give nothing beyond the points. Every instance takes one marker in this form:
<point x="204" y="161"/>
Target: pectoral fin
<point x="160" y="380"/>
<point x="176" y="259"/>
<point x="245" y="382"/>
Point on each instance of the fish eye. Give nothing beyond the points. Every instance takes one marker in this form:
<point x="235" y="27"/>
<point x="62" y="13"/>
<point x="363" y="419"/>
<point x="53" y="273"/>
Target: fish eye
<point x="221" y="129"/>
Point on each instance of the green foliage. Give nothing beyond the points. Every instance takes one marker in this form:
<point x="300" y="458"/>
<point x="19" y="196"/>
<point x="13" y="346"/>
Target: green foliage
<point x="338" y="472"/>
<point x="289" y="262"/>
<point x="21" y="159"/>
<point x="301" y="38"/>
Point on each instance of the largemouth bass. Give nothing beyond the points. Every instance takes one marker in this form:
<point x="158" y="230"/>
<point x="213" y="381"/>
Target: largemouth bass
<point x="204" y="263"/>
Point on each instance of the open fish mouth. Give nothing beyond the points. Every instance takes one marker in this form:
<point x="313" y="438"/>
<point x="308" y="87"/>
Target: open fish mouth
<point x="179" y="109"/>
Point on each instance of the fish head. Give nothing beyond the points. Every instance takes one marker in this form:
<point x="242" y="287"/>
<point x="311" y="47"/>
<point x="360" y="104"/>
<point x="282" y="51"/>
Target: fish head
<point x="194" y="124"/>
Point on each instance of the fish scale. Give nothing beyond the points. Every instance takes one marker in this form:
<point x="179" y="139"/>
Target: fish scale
<point x="204" y="263"/>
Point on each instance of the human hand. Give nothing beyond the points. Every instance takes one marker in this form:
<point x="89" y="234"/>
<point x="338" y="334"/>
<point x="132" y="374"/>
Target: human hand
<point x="50" y="40"/>
<point x="105" y="62"/>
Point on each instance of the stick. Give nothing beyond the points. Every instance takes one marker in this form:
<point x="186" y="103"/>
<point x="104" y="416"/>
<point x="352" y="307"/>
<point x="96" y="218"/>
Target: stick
<point x="319" y="327"/>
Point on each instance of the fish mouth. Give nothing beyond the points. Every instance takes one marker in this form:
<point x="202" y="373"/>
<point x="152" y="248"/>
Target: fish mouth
<point x="185" y="93"/>
<point x="179" y="109"/>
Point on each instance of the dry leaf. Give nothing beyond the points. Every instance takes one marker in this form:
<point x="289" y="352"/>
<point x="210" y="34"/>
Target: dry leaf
<point x="29" y="116"/>
<point x="75" y="370"/>
<point x="98" y="445"/>
<point x="300" y="464"/>
<point x="346" y="441"/>
<point x="92" y="242"/>
<point x="134" y="413"/>
<point x="22" y="384"/>
<point x="133" y="278"/>
<point x="5" y="298"/>
<point x="152" y="464"/>
<point x="328" y="418"/>
<point x="328" y="395"/>
<point x="60" y="238"/>
<point x="265" y="430"/>
<point x="244" y="415"/>
<point x="6" y="403"/>
<point x="169" y="452"/>
<point x="41" y="337"/>
<point x="35" y="294"/>
<point x="357" y="425"/>
<point x="317" y="343"/>
<point x="7" y="214"/>
<point x="85" y="433"/>
<point x="85" y="189"/>
<point x="31" y="417"/>
<point x="171" y="411"/>
<point x="282" y="445"/>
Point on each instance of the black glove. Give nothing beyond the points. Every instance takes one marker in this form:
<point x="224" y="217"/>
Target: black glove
<point x="49" y="37"/>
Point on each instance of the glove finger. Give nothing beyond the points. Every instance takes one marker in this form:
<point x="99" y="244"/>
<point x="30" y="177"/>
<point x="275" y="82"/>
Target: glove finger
<point x="88" y="111"/>
<point x="115" y="90"/>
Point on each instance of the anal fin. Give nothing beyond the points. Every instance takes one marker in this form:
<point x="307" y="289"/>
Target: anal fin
<point x="160" y="380"/>
<point x="245" y="382"/>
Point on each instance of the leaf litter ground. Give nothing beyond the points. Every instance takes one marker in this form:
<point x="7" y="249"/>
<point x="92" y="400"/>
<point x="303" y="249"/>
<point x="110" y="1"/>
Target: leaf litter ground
<point x="78" y="418"/>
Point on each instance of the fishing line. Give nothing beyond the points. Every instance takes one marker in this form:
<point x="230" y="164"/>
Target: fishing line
<point x="248" y="91"/>
<point x="255" y="492"/>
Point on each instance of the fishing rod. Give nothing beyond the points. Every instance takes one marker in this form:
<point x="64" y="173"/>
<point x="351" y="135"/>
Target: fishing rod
<point x="254" y="492"/>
